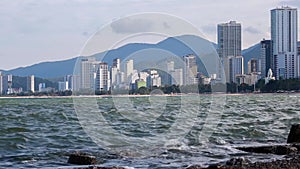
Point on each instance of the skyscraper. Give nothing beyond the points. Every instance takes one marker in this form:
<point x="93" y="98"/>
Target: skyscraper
<point x="128" y="70"/>
<point x="284" y="38"/>
<point x="102" y="82"/>
<point x="236" y="64"/>
<point x="229" y="44"/>
<point x="30" y="83"/>
<point x="87" y="74"/>
<point x="190" y="69"/>
<point x="266" y="57"/>
<point x="117" y="63"/>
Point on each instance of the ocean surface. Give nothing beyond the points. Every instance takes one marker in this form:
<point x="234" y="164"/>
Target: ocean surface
<point x="142" y="132"/>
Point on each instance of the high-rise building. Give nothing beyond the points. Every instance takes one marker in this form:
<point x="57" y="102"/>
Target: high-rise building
<point x="177" y="77"/>
<point x="128" y="69"/>
<point x="73" y="82"/>
<point x="42" y="87"/>
<point x="229" y="44"/>
<point x="30" y="83"/>
<point x="114" y="73"/>
<point x="63" y="86"/>
<point x="153" y="79"/>
<point x="236" y="64"/>
<point x="266" y="57"/>
<point x="117" y="63"/>
<point x="115" y="69"/>
<point x="102" y="77"/>
<point x="170" y="66"/>
<point x="7" y="84"/>
<point x="190" y="69"/>
<point x="284" y="37"/>
<point x="229" y="39"/>
<point x="87" y="74"/>
<point x="252" y="66"/>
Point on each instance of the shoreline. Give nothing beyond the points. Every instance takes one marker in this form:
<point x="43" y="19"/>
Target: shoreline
<point x="157" y="95"/>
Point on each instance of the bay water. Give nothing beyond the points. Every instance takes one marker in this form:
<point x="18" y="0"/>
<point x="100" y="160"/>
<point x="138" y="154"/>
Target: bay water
<point x="42" y="132"/>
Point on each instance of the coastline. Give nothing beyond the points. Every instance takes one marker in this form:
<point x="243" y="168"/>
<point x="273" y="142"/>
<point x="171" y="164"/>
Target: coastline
<point x="158" y="95"/>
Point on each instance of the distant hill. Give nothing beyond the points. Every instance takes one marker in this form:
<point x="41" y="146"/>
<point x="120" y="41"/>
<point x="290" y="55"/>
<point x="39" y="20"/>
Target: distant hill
<point x="57" y="69"/>
<point x="45" y="69"/>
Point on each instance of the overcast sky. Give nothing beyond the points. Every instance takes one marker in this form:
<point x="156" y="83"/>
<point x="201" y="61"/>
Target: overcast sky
<point x="34" y="31"/>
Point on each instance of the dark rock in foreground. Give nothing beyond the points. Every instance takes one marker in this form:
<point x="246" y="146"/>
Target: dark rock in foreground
<point x="82" y="159"/>
<point x="292" y="163"/>
<point x="273" y="149"/>
<point x="294" y="135"/>
<point x="98" y="167"/>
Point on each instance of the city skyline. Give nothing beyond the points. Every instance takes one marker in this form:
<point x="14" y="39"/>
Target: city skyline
<point x="35" y="34"/>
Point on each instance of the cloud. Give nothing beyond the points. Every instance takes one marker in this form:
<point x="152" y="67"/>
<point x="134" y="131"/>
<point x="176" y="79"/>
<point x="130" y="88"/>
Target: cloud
<point x="252" y="30"/>
<point x="210" y="28"/>
<point x="130" y="25"/>
<point x="292" y="3"/>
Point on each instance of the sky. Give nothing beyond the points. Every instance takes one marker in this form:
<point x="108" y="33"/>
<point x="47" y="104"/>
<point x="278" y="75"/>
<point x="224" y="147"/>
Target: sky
<point x="34" y="31"/>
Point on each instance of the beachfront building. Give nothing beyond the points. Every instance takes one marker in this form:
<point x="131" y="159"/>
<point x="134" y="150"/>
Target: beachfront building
<point x="30" y="83"/>
<point x="63" y="86"/>
<point x="190" y="69"/>
<point x="253" y="66"/>
<point x="7" y="84"/>
<point x="153" y="79"/>
<point x="284" y="34"/>
<point x="236" y="65"/>
<point x="229" y="45"/>
<point x="102" y="77"/>
<point x="266" y="60"/>
<point x="177" y="77"/>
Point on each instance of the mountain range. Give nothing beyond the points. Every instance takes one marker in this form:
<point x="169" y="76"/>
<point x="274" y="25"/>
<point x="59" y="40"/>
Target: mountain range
<point x="58" y="69"/>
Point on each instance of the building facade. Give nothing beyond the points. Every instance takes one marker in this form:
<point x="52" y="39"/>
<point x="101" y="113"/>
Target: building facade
<point x="253" y="66"/>
<point x="266" y="57"/>
<point x="229" y="44"/>
<point x="236" y="64"/>
<point x="284" y="37"/>
<point x="30" y="83"/>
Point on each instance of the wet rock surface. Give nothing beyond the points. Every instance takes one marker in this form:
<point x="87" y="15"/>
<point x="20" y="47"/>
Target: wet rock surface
<point x="272" y="149"/>
<point x="98" y="167"/>
<point x="294" y="135"/>
<point x="81" y="159"/>
<point x="290" y="152"/>
<point x="291" y="163"/>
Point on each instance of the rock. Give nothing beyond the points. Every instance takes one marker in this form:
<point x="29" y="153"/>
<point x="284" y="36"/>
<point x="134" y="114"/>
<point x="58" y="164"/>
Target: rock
<point x="82" y="159"/>
<point x="294" y="135"/>
<point x="273" y="149"/>
<point x="238" y="161"/>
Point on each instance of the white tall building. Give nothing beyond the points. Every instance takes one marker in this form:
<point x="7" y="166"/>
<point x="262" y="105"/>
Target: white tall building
<point x="30" y="83"/>
<point x="114" y="73"/>
<point x="117" y="63"/>
<point x="87" y="75"/>
<point x="229" y="44"/>
<point x="153" y="79"/>
<point x="102" y="77"/>
<point x="190" y="69"/>
<point x="236" y="64"/>
<point x="284" y="36"/>
<point x="128" y="69"/>
<point x="63" y="86"/>
<point x="177" y="77"/>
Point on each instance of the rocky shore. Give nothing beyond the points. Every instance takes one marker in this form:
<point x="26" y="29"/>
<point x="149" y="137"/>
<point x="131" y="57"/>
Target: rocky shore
<point x="290" y="152"/>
